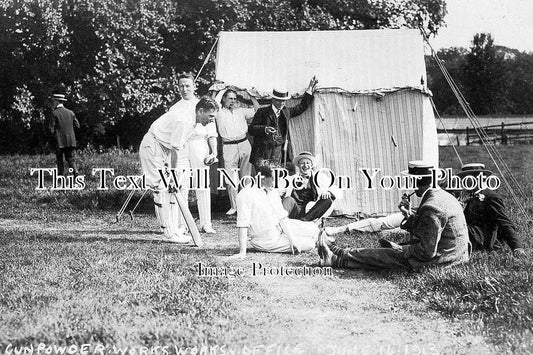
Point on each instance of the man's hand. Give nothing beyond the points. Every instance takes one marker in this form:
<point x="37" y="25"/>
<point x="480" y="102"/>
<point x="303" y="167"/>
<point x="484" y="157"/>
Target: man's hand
<point x="519" y="253"/>
<point x="238" y="256"/>
<point x="312" y="84"/>
<point x="210" y="159"/>
<point x="405" y="206"/>
<point x="324" y="195"/>
<point x="270" y="130"/>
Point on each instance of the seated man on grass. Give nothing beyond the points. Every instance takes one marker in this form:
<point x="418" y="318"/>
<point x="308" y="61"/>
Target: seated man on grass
<point x="261" y="216"/>
<point x="489" y="226"/>
<point x="438" y="226"/>
<point x="307" y="201"/>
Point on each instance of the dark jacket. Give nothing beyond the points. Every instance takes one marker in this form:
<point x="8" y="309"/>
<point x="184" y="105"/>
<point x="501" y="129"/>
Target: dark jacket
<point x="265" y="117"/>
<point x="488" y="223"/>
<point x="62" y="127"/>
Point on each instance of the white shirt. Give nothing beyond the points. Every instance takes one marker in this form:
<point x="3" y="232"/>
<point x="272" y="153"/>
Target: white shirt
<point x="259" y="210"/>
<point x="233" y="125"/>
<point x="204" y="132"/>
<point x="174" y="128"/>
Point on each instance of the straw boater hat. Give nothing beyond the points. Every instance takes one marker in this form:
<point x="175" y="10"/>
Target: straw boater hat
<point x="418" y="168"/>
<point x="473" y="169"/>
<point x="58" y="97"/>
<point x="305" y="155"/>
<point x="280" y="94"/>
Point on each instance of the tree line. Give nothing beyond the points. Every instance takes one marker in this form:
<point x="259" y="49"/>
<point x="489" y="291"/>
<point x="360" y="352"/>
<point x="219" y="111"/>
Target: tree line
<point x="118" y="61"/>
<point x="494" y="80"/>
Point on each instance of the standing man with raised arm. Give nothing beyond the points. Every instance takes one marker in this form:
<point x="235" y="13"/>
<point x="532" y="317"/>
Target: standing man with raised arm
<point x="270" y="124"/>
<point x="232" y="124"/>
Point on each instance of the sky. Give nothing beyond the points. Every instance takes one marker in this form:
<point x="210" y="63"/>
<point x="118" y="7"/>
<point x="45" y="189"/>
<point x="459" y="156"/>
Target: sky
<point x="509" y="21"/>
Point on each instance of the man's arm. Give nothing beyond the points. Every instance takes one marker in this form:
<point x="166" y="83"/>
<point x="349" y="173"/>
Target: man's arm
<point x="506" y="228"/>
<point x="306" y="101"/>
<point x="290" y="235"/>
<point x="258" y="125"/>
<point x="430" y="223"/>
<point x="243" y="238"/>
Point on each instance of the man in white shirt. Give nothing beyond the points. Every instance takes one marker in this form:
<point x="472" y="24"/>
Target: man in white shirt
<point x="167" y="136"/>
<point x="261" y="215"/>
<point x="232" y="123"/>
<point x="201" y="147"/>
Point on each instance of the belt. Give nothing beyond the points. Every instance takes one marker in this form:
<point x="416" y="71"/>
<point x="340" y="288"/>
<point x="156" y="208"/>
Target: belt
<point x="236" y="142"/>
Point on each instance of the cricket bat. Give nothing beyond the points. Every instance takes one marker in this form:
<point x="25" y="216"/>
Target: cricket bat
<point x="184" y="208"/>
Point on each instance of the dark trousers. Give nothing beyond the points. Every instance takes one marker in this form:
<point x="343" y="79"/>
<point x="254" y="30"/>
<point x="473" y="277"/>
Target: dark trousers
<point x="263" y="151"/>
<point x="70" y="155"/>
<point x="297" y="211"/>
<point x="369" y="259"/>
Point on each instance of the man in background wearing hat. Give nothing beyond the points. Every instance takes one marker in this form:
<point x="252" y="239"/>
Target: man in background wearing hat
<point x="307" y="201"/>
<point x="438" y="226"/>
<point x="62" y="126"/>
<point x="488" y="224"/>
<point x="269" y="126"/>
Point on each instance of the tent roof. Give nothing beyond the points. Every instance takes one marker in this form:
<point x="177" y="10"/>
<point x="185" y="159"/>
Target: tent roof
<point x="361" y="60"/>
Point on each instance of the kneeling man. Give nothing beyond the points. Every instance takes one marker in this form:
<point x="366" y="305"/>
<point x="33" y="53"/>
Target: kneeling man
<point x="307" y="201"/>
<point x="438" y="226"/>
<point x="261" y="215"/>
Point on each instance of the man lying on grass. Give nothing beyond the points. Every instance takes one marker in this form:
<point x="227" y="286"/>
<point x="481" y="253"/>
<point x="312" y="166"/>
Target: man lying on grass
<point x="261" y="215"/>
<point x="438" y="227"/>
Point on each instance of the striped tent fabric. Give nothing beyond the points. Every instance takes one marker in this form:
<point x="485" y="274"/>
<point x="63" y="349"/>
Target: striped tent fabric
<point x="371" y="111"/>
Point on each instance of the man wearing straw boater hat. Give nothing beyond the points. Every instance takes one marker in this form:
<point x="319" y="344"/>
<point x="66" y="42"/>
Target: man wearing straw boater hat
<point x="62" y="126"/>
<point x="438" y="227"/>
<point x="488" y="224"/>
<point x="270" y="124"/>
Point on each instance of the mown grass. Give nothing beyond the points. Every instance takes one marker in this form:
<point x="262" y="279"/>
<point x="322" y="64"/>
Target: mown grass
<point x="61" y="288"/>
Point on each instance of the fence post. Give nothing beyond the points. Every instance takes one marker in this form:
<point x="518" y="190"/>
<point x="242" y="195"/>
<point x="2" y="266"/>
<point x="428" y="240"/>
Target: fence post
<point x="504" y="138"/>
<point x="467" y="136"/>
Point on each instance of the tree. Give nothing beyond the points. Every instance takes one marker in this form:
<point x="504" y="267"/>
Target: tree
<point x="118" y="61"/>
<point x="485" y="79"/>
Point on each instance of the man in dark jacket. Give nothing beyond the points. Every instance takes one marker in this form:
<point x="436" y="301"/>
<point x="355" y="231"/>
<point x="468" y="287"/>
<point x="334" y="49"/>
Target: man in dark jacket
<point x="269" y="126"/>
<point x="438" y="226"/>
<point x="488" y="224"/>
<point x="62" y="126"/>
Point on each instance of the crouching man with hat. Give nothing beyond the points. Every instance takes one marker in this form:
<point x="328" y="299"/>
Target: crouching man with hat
<point x="489" y="227"/>
<point x="303" y="199"/>
<point x="270" y="124"/>
<point x="438" y="229"/>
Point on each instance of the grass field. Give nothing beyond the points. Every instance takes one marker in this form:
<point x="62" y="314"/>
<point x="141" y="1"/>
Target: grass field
<point x="71" y="276"/>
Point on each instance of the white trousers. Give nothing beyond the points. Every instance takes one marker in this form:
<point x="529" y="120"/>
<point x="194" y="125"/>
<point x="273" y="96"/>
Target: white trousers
<point x="305" y="235"/>
<point x="153" y="159"/>
<point x="377" y="224"/>
<point x="198" y="151"/>
<point x="236" y="156"/>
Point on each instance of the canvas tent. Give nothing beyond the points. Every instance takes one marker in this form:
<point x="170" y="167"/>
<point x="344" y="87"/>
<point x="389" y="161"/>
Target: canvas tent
<point x="372" y="108"/>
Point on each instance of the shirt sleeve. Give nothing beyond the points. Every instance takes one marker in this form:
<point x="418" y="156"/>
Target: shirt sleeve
<point x="279" y="211"/>
<point x="180" y="135"/>
<point x="244" y="208"/>
<point x="211" y="129"/>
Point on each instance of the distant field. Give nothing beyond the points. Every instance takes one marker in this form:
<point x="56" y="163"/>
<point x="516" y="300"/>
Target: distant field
<point x="71" y="276"/>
